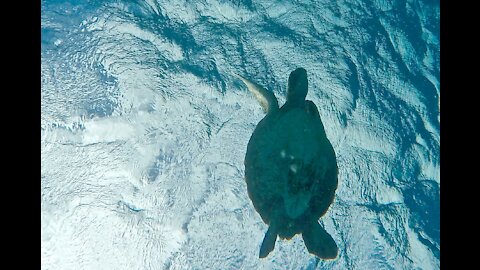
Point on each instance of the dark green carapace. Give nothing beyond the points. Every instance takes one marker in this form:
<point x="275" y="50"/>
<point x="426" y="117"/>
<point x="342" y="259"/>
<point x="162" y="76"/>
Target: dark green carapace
<point x="291" y="169"/>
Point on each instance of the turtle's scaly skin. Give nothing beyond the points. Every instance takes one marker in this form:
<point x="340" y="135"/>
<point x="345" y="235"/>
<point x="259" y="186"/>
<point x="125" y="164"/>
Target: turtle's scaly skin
<point x="290" y="168"/>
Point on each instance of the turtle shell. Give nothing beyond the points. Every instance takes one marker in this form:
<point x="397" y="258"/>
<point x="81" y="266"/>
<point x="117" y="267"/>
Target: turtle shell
<point x="290" y="168"/>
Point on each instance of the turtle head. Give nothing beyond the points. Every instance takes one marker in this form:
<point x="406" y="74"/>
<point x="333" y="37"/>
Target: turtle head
<point x="297" y="86"/>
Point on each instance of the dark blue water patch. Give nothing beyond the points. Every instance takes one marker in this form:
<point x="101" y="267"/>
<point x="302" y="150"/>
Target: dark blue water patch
<point x="104" y="100"/>
<point x="68" y="13"/>
<point x="100" y="109"/>
<point x="428" y="94"/>
<point x="402" y="116"/>
<point x="353" y="81"/>
<point x="409" y="24"/>
<point x="431" y="2"/>
<point x="153" y="171"/>
<point x="162" y="160"/>
<point x="161" y="25"/>
<point x="406" y="170"/>
<point x="103" y="105"/>
<point x="71" y="127"/>
<point x="245" y="3"/>
<point x="206" y="70"/>
<point x="431" y="15"/>
<point x="423" y="200"/>
<point x="60" y="19"/>
<point x="406" y="20"/>
<point x="126" y="206"/>
<point x="182" y="35"/>
<point x="281" y="31"/>
<point x="105" y="96"/>
<point x="253" y="59"/>
<point x="48" y="37"/>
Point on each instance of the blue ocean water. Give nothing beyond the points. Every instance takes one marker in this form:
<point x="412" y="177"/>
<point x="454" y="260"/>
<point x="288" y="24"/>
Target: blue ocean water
<point x="144" y="130"/>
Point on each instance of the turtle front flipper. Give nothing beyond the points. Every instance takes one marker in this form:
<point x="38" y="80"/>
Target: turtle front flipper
<point x="269" y="240"/>
<point x="267" y="99"/>
<point x="319" y="242"/>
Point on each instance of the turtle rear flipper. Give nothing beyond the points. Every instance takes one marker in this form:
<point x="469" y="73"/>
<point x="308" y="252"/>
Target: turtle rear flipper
<point x="269" y="240"/>
<point x="319" y="242"/>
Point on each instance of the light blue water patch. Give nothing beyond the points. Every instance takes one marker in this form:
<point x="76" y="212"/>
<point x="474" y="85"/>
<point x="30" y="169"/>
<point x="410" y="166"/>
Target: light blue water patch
<point x="145" y="128"/>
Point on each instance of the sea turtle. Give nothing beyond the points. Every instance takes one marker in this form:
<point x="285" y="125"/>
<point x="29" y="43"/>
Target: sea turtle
<point x="291" y="169"/>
